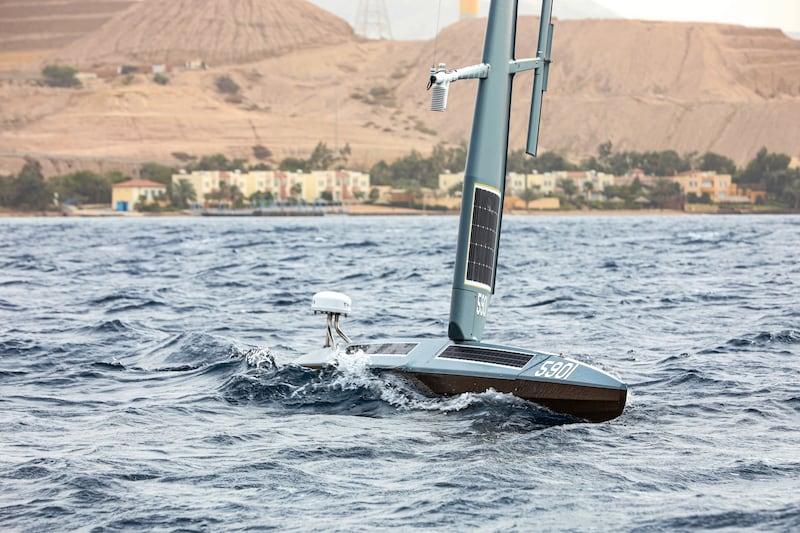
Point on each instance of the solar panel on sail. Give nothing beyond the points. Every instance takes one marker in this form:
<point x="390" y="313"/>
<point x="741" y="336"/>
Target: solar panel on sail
<point x="483" y="236"/>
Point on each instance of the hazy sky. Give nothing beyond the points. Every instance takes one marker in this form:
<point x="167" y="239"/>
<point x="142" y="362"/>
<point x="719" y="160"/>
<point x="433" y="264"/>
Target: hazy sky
<point x="416" y="19"/>
<point x="784" y="14"/>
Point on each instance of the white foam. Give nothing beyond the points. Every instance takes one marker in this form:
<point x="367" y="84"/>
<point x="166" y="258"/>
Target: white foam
<point x="259" y="357"/>
<point x="354" y="372"/>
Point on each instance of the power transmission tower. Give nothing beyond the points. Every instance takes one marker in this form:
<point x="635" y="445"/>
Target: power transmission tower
<point x="372" y="20"/>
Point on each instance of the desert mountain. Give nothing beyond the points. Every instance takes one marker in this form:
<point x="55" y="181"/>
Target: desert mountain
<point x="418" y="19"/>
<point x="217" y="32"/>
<point x="642" y="85"/>
<point x="652" y="85"/>
<point x="34" y="25"/>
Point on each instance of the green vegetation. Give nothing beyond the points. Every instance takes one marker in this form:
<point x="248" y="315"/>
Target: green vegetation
<point x="422" y="128"/>
<point x="226" y="194"/>
<point x="183" y="157"/>
<point x="60" y="76"/>
<point x="767" y="172"/>
<point x="182" y="194"/>
<point x="665" y="163"/>
<point x="528" y="195"/>
<point x="30" y="191"/>
<point x="380" y="93"/>
<point x="27" y="190"/>
<point x="294" y="164"/>
<point x="414" y="170"/>
<point x="705" y="198"/>
<point x="84" y="187"/>
<point x="770" y="172"/>
<point x="377" y="96"/>
<point x="157" y="172"/>
<point x="261" y="152"/>
<point x="519" y="161"/>
<point x="226" y="85"/>
<point x="665" y="194"/>
<point x="217" y="162"/>
<point x="624" y="196"/>
<point x="321" y="158"/>
<point x="161" y="79"/>
<point x="409" y="172"/>
<point x="374" y="195"/>
<point x="713" y="162"/>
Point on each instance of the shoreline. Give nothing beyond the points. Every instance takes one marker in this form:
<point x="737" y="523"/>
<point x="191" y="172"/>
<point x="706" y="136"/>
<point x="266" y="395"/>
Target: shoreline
<point x="369" y="210"/>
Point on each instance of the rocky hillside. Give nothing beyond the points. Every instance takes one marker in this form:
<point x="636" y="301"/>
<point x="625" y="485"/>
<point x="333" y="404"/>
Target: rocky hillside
<point x="303" y="78"/>
<point x="651" y="85"/>
<point x="30" y="25"/>
<point x="217" y="32"/>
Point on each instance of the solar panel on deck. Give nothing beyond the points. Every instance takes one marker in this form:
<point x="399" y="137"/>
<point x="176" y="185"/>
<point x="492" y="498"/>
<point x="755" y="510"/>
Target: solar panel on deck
<point x="485" y="355"/>
<point x="483" y="236"/>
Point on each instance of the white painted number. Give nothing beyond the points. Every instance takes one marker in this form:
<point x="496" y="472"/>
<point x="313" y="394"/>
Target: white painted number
<point x="556" y="370"/>
<point x="482" y="308"/>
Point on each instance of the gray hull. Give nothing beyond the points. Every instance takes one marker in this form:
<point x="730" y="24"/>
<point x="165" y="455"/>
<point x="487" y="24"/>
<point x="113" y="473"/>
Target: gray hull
<point x="445" y="367"/>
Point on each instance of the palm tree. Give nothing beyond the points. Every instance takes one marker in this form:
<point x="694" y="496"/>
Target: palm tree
<point x="529" y="195"/>
<point x="793" y="189"/>
<point x="236" y="196"/>
<point x="588" y="187"/>
<point x="181" y="193"/>
<point x="568" y="186"/>
<point x="296" y="190"/>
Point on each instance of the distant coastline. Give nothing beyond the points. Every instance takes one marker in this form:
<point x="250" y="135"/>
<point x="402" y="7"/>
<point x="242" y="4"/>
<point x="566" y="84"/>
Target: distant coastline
<point x="366" y="210"/>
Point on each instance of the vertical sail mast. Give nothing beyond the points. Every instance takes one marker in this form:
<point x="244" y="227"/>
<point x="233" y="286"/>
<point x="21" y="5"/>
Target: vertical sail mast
<point x="462" y="363"/>
<point x="485" y="175"/>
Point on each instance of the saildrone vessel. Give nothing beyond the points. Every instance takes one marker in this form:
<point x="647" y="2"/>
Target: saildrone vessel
<point x="462" y="363"/>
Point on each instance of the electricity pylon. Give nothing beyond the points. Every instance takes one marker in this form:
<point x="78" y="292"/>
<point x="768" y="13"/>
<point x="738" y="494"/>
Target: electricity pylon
<point x="372" y="20"/>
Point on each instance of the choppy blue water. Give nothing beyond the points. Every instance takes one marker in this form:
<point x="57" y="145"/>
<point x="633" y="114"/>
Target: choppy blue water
<point x="147" y="378"/>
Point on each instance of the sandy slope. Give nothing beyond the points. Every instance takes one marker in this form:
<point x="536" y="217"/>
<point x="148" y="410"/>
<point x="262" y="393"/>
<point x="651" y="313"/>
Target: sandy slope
<point x="214" y="31"/>
<point x="643" y="85"/>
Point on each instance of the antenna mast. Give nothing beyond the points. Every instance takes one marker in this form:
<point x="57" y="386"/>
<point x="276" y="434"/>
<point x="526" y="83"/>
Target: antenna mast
<point x="485" y="175"/>
<point x="372" y="20"/>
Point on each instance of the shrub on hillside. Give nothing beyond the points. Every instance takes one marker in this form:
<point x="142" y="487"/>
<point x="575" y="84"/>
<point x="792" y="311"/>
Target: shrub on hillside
<point x="226" y="85"/>
<point x="261" y="152"/>
<point x="60" y="76"/>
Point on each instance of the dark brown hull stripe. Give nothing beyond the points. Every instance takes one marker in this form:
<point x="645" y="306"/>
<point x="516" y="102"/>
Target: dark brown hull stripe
<point x="595" y="404"/>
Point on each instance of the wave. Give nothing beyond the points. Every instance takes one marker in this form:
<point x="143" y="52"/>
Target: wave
<point x="350" y="388"/>
<point x="781" y="519"/>
<point x="758" y="342"/>
<point x="362" y="244"/>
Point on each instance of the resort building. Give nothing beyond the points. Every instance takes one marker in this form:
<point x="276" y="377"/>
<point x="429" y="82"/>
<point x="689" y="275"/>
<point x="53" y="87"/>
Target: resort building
<point x="449" y="180"/>
<point x="543" y="184"/>
<point x="279" y="186"/>
<point x="127" y="195"/>
<point x="719" y="187"/>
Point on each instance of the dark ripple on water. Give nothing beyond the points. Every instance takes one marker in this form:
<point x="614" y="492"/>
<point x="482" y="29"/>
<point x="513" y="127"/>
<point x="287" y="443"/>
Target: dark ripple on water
<point x="147" y="382"/>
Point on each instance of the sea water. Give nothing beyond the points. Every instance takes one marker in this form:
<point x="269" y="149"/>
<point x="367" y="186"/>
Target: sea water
<point x="147" y="379"/>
